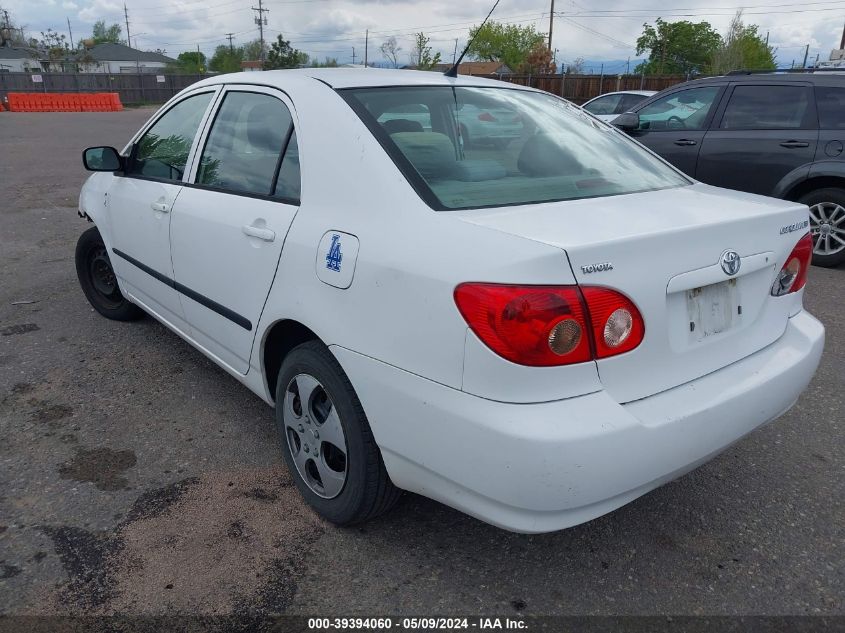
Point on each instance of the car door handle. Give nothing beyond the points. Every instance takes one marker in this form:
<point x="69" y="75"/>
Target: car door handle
<point x="686" y="141"/>
<point x="794" y="144"/>
<point x="262" y="234"/>
<point x="162" y="207"/>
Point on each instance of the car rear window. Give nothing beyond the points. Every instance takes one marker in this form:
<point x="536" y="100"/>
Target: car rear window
<point x="831" y="104"/>
<point x="465" y="148"/>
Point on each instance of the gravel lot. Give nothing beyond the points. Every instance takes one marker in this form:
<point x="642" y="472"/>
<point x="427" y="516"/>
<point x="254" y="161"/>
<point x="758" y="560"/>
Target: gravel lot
<point x="137" y="478"/>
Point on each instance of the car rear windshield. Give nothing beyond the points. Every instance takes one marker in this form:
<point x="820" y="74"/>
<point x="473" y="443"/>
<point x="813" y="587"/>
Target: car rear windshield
<point x="466" y="148"/>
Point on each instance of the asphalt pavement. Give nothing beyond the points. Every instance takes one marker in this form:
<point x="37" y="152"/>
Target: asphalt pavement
<point x="138" y="478"/>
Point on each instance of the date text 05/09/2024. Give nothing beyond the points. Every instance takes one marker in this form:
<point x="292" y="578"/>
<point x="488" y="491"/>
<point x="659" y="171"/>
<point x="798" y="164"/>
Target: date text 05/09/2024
<point x="413" y="624"/>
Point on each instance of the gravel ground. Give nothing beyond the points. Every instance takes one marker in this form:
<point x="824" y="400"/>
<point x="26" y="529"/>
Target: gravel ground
<point x="137" y="478"/>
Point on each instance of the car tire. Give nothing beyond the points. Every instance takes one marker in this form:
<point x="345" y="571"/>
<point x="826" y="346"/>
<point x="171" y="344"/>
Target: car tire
<point x="98" y="281"/>
<point x="827" y="218"/>
<point x="312" y="387"/>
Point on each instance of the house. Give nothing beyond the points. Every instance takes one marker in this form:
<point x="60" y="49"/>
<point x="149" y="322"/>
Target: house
<point x="477" y="68"/>
<point x="248" y="66"/>
<point x="18" y="60"/>
<point x="119" y="58"/>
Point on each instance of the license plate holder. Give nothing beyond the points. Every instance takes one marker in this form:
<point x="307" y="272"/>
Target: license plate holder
<point x="712" y="309"/>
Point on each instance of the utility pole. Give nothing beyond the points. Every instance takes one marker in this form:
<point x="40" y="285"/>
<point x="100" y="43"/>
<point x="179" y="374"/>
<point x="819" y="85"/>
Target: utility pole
<point x="366" y="48"/>
<point x="353" y="55"/>
<point x="455" y="54"/>
<point x="126" y="15"/>
<point x="551" y="23"/>
<point x="229" y="36"/>
<point x="70" y="32"/>
<point x="841" y="44"/>
<point x="261" y="21"/>
<point x="806" y="52"/>
<point x="628" y="66"/>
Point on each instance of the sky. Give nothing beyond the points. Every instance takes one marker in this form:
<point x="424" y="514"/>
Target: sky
<point x="599" y="30"/>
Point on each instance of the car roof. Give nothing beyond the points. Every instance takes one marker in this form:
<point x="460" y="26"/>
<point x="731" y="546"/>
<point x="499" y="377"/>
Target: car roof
<point x="356" y="78"/>
<point x="826" y="78"/>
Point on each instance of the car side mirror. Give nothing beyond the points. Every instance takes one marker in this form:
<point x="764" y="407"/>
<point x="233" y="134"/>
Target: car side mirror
<point x="627" y="121"/>
<point x="102" y="159"/>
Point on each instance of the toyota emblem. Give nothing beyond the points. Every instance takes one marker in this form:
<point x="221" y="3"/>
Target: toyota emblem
<point x="731" y="262"/>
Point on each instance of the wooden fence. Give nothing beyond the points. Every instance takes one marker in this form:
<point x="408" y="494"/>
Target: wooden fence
<point x="133" y="88"/>
<point x="581" y="88"/>
<point x="146" y="87"/>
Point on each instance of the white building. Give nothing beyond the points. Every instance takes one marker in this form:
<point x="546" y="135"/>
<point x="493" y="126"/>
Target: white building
<point x="18" y="60"/>
<point x="119" y="58"/>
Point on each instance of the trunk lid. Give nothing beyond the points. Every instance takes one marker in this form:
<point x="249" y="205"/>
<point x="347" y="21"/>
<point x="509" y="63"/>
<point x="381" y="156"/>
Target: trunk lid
<point x="663" y="250"/>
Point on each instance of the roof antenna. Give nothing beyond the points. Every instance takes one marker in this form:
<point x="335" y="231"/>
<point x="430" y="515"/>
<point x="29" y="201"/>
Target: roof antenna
<point x="453" y="71"/>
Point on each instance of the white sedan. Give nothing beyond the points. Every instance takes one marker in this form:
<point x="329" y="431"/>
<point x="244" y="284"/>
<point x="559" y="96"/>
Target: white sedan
<point x="610" y="105"/>
<point x="535" y="333"/>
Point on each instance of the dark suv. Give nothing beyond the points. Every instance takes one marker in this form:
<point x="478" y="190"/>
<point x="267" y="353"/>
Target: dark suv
<point x="776" y="134"/>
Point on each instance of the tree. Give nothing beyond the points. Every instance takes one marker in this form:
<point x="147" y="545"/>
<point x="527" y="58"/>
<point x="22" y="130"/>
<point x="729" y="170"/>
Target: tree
<point x="539" y="61"/>
<point x="103" y="34"/>
<point x="53" y="46"/>
<point x="252" y="50"/>
<point x="510" y="44"/>
<point x="190" y="63"/>
<point x="743" y="48"/>
<point x="576" y="66"/>
<point x="226" y="59"/>
<point x="390" y="51"/>
<point x="677" y="48"/>
<point x="283" y="55"/>
<point x="10" y="33"/>
<point x="421" y="57"/>
<point x="330" y="62"/>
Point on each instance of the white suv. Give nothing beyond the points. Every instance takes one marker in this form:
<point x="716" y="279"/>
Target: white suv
<point x="534" y="332"/>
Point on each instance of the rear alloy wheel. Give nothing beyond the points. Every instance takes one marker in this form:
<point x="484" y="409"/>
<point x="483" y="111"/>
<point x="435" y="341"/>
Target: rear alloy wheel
<point x="98" y="281"/>
<point x="827" y="225"/>
<point x="326" y="439"/>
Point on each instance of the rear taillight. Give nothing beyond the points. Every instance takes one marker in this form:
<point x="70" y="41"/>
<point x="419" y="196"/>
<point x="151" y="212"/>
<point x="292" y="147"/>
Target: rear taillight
<point x="486" y="116"/>
<point x="617" y="324"/>
<point x="793" y="276"/>
<point x="544" y="326"/>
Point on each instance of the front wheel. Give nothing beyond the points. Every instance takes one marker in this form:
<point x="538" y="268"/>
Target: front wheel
<point x="326" y="439"/>
<point x="827" y="225"/>
<point x="98" y="281"/>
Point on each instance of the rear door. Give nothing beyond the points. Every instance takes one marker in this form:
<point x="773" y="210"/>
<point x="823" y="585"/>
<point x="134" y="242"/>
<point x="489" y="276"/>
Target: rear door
<point x="764" y="132"/>
<point x="230" y="222"/>
<point x="673" y="126"/>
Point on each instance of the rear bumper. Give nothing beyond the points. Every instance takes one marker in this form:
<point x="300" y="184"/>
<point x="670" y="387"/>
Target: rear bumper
<point x="548" y="466"/>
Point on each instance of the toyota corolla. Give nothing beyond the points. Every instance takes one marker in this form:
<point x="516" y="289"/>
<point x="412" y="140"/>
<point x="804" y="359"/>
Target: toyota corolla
<point x="534" y="332"/>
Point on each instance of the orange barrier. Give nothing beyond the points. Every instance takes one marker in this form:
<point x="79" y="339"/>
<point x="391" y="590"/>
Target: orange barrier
<point x="64" y="102"/>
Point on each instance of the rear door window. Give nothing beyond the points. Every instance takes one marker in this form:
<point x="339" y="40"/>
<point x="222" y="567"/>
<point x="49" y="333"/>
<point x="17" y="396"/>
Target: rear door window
<point x="245" y="144"/>
<point x="831" y="105"/>
<point x="756" y="107"/>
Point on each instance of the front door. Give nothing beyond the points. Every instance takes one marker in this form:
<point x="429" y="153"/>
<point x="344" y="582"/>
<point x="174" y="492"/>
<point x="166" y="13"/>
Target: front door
<point x="228" y="226"/>
<point x="673" y="126"/>
<point x="140" y="202"/>
<point x="765" y="132"/>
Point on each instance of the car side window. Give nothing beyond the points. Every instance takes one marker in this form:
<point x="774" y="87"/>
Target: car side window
<point x="288" y="183"/>
<point x="628" y="101"/>
<point x="245" y="143"/>
<point x="766" y="108"/>
<point x="604" y="105"/>
<point x="684" y="110"/>
<point x="831" y="104"/>
<point x="162" y="152"/>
